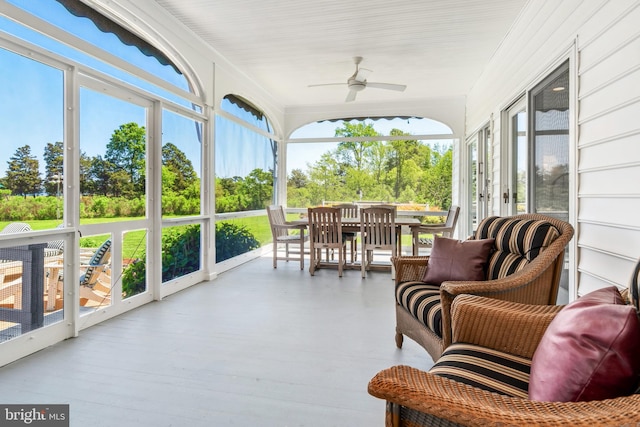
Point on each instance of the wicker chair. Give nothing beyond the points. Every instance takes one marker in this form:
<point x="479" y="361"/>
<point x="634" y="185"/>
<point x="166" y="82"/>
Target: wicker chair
<point x="533" y="281"/>
<point x="418" y="398"/>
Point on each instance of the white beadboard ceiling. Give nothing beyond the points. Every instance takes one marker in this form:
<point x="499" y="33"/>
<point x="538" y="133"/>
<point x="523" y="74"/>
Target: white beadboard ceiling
<point x="438" y="48"/>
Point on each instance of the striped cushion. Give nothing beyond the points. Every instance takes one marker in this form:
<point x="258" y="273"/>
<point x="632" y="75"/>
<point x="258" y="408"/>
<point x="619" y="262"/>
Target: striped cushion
<point x="518" y="242"/>
<point x="423" y="302"/>
<point x="484" y="368"/>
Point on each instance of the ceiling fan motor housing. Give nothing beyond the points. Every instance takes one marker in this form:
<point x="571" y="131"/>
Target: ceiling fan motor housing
<point x="356" y="85"/>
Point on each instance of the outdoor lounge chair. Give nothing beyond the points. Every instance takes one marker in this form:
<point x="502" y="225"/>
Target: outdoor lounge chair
<point x="524" y="266"/>
<point x="92" y="288"/>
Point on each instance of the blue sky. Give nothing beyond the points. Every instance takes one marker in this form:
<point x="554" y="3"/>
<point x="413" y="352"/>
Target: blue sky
<point x="32" y="112"/>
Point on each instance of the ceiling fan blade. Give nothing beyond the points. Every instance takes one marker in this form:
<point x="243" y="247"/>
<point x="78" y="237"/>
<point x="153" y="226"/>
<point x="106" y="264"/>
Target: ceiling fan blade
<point x="389" y="86"/>
<point x="362" y="74"/>
<point x="351" y="96"/>
<point x="327" y="84"/>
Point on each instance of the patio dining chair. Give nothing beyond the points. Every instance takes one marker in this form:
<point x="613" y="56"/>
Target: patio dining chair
<point x="377" y="232"/>
<point x="325" y="232"/>
<point x="445" y="229"/>
<point x="350" y="210"/>
<point x="287" y="233"/>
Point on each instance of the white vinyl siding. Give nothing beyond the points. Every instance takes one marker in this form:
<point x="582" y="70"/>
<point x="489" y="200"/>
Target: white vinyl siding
<point x="606" y="37"/>
<point x="609" y="146"/>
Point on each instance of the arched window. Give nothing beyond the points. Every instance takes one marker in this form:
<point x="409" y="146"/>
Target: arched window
<point x="390" y="159"/>
<point x="154" y="71"/>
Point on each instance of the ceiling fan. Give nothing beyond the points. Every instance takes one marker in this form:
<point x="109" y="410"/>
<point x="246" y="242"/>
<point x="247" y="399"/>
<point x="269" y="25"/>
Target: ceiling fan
<point x="358" y="82"/>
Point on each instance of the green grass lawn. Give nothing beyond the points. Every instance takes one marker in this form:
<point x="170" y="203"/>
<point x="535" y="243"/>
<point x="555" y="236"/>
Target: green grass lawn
<point x="134" y="242"/>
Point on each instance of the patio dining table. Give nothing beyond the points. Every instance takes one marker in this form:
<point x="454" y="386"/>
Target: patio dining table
<point x="353" y="225"/>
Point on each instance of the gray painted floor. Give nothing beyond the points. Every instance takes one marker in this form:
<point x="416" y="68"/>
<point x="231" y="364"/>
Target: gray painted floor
<point x="256" y="347"/>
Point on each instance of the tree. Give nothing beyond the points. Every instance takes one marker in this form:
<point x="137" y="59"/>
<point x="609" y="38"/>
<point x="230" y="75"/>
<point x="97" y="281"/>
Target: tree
<point x="53" y="159"/>
<point x="23" y="176"/>
<point x="325" y="180"/>
<point x="87" y="186"/>
<point x="126" y="152"/>
<point x="400" y="153"/>
<point x="298" y="179"/>
<point x="178" y="163"/>
<point x="437" y="181"/>
<point x="98" y="177"/>
<point x="256" y="190"/>
<point x="354" y="154"/>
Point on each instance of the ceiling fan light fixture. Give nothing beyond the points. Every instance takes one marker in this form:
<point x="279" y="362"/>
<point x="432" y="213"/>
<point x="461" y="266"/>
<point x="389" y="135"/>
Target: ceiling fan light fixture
<point x="356" y="85"/>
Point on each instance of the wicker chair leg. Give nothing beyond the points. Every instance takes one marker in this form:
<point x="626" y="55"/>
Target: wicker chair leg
<point x="399" y="339"/>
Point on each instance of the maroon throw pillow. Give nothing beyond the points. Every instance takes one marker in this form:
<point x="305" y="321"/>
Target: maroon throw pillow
<point x="590" y="351"/>
<point x="453" y="259"/>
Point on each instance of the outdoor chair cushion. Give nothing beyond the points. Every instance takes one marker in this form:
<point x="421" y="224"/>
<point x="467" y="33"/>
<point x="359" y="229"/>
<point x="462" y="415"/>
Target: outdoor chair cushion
<point x="423" y="302"/>
<point x="589" y="351"/>
<point x="485" y="368"/>
<point x="452" y="259"/>
<point x="517" y="242"/>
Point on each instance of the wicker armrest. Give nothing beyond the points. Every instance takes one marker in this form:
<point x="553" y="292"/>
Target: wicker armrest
<point x="470" y="406"/>
<point x="501" y="325"/>
<point x="409" y="268"/>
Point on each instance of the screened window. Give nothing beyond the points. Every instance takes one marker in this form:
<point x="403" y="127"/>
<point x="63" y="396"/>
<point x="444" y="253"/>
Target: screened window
<point x="402" y="160"/>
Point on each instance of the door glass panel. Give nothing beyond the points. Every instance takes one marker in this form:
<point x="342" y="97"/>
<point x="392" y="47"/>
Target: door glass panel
<point x="550" y="130"/>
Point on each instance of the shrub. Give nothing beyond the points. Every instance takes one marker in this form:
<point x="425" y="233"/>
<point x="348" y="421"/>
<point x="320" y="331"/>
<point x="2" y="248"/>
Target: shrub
<point x="181" y="253"/>
<point x="232" y="240"/>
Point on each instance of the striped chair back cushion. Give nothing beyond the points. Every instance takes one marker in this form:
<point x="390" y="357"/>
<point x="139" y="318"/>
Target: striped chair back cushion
<point x="518" y="242"/>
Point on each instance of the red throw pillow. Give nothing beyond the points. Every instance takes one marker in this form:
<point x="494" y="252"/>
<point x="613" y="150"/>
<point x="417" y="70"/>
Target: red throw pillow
<point x="453" y="259"/>
<point x="590" y="351"/>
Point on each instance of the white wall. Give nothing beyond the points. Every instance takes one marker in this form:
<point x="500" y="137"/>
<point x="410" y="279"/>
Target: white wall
<point x="606" y="38"/>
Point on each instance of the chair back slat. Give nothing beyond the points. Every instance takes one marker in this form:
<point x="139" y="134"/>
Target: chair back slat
<point x="348" y="210"/>
<point x="378" y="228"/>
<point x="325" y="227"/>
